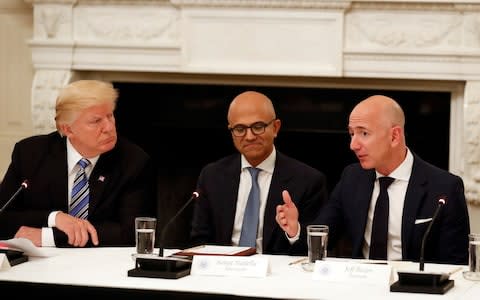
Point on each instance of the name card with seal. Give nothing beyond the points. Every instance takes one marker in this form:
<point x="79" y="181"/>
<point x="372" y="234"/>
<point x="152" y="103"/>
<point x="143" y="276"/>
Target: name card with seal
<point x="4" y="263"/>
<point x="347" y="271"/>
<point x="240" y="266"/>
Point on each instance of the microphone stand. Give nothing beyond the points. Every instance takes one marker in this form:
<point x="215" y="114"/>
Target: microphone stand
<point x="14" y="257"/>
<point x="421" y="282"/>
<point x="427" y="232"/>
<point x="164" y="267"/>
<point x="194" y="196"/>
<point x="23" y="186"/>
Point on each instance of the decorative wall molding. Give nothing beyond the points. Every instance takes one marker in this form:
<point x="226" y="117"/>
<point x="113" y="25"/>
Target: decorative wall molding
<point x="325" y="4"/>
<point x="386" y="30"/>
<point x="433" y="41"/>
<point x="472" y="141"/>
<point x="46" y="85"/>
<point x="53" y="21"/>
<point x="141" y="26"/>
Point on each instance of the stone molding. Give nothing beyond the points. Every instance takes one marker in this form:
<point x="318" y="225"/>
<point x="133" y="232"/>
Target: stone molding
<point x="397" y="40"/>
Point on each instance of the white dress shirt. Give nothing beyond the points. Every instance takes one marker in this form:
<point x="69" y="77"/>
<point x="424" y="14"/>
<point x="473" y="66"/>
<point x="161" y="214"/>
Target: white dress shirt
<point x="396" y="194"/>
<point x="72" y="159"/>
<point x="264" y="180"/>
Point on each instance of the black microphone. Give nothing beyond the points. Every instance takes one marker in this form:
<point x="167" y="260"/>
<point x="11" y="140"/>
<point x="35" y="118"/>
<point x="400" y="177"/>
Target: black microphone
<point x="422" y="282"/>
<point x="441" y="202"/>
<point x="164" y="267"/>
<point x="14" y="257"/>
<point x="23" y="186"/>
<point x="194" y="196"/>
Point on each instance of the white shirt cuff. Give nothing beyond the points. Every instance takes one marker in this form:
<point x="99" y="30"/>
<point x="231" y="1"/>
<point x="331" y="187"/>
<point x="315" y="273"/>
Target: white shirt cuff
<point x="51" y="218"/>
<point x="47" y="237"/>
<point x="47" y="232"/>
<point x="295" y="237"/>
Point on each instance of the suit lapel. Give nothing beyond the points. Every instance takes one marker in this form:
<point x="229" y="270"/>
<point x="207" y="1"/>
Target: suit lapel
<point x="280" y="179"/>
<point x="58" y="169"/>
<point x="230" y="178"/>
<point x="413" y="198"/>
<point x="232" y="197"/>
<point x="362" y="204"/>
<point x="101" y="175"/>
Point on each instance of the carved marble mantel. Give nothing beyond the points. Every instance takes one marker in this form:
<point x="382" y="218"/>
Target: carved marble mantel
<point x="427" y="44"/>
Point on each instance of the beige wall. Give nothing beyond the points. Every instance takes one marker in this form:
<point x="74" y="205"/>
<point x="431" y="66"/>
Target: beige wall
<point x="16" y="75"/>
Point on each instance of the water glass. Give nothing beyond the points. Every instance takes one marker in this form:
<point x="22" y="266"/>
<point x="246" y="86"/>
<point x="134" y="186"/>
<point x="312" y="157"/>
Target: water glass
<point x="145" y="234"/>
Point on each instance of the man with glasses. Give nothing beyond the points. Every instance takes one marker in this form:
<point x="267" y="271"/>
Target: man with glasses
<point x="260" y="174"/>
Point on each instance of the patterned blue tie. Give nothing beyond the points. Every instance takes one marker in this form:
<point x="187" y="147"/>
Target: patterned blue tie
<point x="248" y="236"/>
<point x="80" y="192"/>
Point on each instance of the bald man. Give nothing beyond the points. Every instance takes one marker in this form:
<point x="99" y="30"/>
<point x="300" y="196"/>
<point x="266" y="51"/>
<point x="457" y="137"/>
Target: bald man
<point x="376" y="127"/>
<point x="225" y="184"/>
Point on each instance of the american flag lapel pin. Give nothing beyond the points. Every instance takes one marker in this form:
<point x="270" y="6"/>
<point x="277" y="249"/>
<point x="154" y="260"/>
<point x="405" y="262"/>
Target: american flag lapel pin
<point x="101" y="178"/>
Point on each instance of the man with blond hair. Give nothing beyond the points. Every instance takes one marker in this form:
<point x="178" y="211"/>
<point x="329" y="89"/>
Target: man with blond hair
<point x="86" y="185"/>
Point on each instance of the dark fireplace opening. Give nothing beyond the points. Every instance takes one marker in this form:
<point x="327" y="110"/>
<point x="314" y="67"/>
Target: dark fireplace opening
<point x="184" y="126"/>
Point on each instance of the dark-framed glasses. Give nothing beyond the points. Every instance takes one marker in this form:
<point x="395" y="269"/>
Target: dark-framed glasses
<point x="257" y="128"/>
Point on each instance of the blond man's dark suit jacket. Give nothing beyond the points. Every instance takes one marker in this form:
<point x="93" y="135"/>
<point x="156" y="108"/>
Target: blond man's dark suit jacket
<point x="218" y="183"/>
<point x="347" y="209"/>
<point x="121" y="188"/>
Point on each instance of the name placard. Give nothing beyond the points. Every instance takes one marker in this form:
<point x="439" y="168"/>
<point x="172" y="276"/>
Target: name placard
<point x="4" y="263"/>
<point x="339" y="271"/>
<point x="242" y="266"/>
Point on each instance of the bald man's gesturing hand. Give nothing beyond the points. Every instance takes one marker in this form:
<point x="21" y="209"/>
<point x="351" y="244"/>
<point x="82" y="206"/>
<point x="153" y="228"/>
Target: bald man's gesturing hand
<point x="287" y="215"/>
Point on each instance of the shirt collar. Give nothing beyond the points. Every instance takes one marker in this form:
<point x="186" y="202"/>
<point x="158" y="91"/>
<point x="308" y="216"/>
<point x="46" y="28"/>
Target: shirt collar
<point x="73" y="157"/>
<point x="403" y="171"/>
<point x="267" y="165"/>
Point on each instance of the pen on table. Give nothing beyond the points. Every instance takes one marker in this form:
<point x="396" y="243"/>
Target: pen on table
<point x="298" y="261"/>
<point x="454" y="271"/>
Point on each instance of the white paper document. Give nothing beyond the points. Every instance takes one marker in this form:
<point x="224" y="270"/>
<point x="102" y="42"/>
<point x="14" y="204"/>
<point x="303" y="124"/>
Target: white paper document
<point x="26" y="246"/>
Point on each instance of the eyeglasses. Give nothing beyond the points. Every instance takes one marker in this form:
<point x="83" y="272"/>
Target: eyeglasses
<point x="257" y="128"/>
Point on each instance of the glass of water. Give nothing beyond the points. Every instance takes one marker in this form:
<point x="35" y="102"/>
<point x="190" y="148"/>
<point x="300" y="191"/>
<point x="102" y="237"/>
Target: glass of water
<point x="473" y="272"/>
<point x="145" y="234"/>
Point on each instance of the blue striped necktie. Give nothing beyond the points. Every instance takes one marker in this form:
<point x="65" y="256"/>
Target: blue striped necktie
<point x="80" y="192"/>
<point x="248" y="236"/>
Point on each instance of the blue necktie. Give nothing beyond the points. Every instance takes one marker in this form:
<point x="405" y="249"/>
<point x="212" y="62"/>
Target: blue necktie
<point x="80" y="192"/>
<point x="379" y="238"/>
<point x="248" y="236"/>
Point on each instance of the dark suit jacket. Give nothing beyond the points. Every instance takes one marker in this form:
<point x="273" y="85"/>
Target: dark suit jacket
<point x="346" y="212"/>
<point x="214" y="211"/>
<point x="121" y="188"/>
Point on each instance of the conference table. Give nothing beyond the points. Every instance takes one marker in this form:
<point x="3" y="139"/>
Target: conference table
<point x="78" y="272"/>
